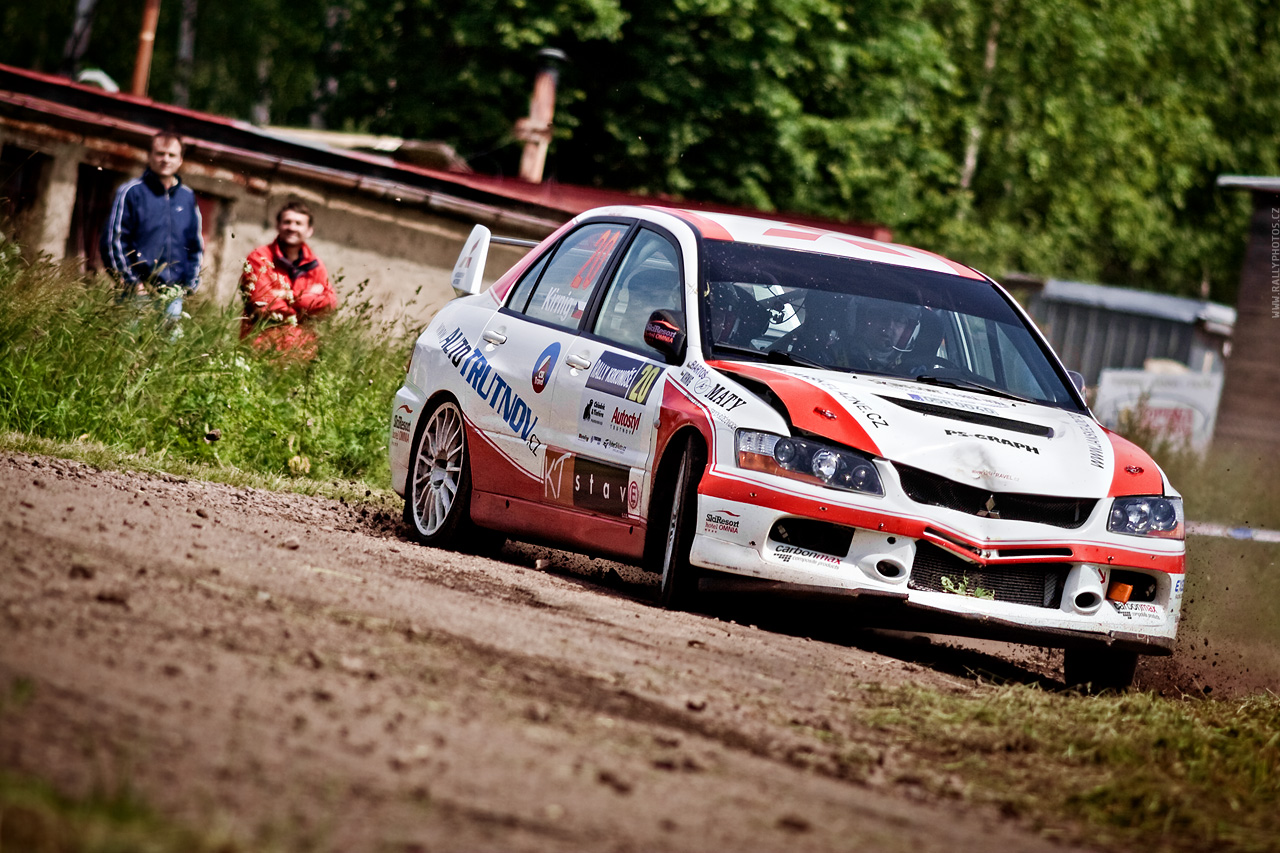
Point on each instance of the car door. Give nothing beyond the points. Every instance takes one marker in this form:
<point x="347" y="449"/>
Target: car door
<point x="601" y="434"/>
<point x="518" y="359"/>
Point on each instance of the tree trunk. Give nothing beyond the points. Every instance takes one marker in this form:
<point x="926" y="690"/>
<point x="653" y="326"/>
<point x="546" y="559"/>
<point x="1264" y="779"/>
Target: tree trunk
<point x="186" y="55"/>
<point x="984" y="95"/>
<point x="78" y="42"/>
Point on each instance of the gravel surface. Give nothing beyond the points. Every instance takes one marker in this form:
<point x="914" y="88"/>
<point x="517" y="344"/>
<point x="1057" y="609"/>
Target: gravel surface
<point x="294" y="671"/>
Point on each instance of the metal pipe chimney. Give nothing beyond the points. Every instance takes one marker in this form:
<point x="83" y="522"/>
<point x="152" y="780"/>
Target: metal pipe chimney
<point x="535" y="130"/>
<point x="146" y="41"/>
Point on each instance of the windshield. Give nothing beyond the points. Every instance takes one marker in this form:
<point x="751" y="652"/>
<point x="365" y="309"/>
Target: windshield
<point x="818" y="310"/>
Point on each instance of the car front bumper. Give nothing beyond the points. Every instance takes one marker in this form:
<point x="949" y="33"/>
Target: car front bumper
<point x="937" y="567"/>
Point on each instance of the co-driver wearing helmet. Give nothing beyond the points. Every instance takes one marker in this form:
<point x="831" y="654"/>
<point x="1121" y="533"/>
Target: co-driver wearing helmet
<point x="883" y="334"/>
<point x="843" y="331"/>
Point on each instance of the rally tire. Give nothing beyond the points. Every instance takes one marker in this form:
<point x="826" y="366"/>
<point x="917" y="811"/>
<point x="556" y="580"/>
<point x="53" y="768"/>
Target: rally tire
<point x="678" y="589"/>
<point x="437" y="499"/>
<point x="1094" y="670"/>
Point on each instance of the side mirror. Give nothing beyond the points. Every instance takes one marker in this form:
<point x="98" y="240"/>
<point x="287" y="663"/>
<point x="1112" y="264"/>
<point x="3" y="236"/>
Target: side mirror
<point x="665" y="333"/>
<point x="468" y="272"/>
<point x="1077" y="379"/>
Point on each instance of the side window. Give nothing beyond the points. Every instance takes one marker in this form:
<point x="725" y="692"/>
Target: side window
<point x="647" y="280"/>
<point x="1018" y="376"/>
<point x="975" y="331"/>
<point x="561" y="294"/>
<point x="519" y="298"/>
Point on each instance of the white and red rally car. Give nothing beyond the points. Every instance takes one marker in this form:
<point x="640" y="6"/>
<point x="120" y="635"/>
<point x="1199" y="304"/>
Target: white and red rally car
<point x="701" y="393"/>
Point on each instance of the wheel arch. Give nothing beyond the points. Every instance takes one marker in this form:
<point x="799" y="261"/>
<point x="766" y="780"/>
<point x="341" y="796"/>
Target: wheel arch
<point x="661" y="494"/>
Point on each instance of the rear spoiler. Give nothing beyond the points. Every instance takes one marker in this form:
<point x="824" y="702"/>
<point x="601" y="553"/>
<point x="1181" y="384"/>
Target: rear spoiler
<point x="468" y="272"/>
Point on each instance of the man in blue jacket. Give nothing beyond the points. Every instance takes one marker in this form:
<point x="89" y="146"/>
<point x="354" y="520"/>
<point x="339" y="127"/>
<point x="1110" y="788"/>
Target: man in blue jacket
<point x="152" y="242"/>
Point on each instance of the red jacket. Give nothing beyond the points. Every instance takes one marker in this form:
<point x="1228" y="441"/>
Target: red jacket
<point x="281" y="297"/>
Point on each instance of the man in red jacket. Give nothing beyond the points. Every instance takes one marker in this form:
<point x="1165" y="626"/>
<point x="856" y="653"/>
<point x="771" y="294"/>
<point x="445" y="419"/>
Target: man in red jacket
<point x="285" y="287"/>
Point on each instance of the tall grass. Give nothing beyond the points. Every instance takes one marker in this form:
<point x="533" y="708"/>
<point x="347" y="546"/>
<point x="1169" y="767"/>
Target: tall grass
<point x="74" y="365"/>
<point x="1233" y="486"/>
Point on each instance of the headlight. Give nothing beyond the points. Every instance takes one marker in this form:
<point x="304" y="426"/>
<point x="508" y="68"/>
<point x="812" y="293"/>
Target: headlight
<point x="1147" y="516"/>
<point x="808" y="461"/>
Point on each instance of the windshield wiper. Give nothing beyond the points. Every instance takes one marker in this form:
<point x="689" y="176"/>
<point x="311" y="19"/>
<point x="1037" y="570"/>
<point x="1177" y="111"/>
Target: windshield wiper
<point x="730" y="348"/>
<point x="969" y="385"/>
<point x="777" y="356"/>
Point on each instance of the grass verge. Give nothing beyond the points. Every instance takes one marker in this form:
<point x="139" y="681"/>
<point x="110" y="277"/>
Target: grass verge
<point x="36" y="819"/>
<point x="77" y="366"/>
<point x="1131" y="771"/>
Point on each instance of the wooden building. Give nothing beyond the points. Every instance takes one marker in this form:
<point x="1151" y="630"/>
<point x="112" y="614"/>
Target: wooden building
<point x="390" y="221"/>
<point x="1249" y="414"/>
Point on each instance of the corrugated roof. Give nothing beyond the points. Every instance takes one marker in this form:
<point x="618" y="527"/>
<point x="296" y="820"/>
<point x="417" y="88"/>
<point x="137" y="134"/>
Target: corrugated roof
<point x="118" y="113"/>
<point x="1246" y="182"/>
<point x="1142" y="302"/>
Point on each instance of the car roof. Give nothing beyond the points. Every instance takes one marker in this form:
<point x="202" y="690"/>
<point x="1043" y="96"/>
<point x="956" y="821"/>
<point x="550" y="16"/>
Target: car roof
<point x="785" y="235"/>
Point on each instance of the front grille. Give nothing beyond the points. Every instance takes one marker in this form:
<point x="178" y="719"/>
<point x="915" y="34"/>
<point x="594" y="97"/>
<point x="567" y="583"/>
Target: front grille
<point x="1033" y="584"/>
<point x="925" y="488"/>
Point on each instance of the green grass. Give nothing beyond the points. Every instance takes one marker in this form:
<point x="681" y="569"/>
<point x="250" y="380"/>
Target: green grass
<point x="77" y="367"/>
<point x="1124" y="772"/>
<point x="34" y="818"/>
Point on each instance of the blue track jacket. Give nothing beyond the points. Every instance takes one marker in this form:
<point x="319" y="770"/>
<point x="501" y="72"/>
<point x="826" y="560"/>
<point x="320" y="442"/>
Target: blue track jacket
<point x="153" y="235"/>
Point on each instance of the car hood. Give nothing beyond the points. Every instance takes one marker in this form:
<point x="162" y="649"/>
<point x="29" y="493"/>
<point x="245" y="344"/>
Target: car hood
<point x="977" y="439"/>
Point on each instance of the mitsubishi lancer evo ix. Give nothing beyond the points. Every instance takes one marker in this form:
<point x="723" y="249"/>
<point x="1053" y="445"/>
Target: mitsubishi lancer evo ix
<point x="703" y="394"/>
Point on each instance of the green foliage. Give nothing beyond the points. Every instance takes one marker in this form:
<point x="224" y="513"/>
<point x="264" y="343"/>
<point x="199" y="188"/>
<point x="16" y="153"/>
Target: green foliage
<point x="1134" y="769"/>
<point x="74" y="365"/>
<point x="1059" y="137"/>
<point x="35" y="817"/>
<point x="962" y="587"/>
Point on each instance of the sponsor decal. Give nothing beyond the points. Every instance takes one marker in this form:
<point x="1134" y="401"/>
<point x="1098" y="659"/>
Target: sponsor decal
<point x="633" y="497"/>
<point x="624" y="377"/>
<point x="400" y="428"/>
<point x="954" y="403"/>
<point x="1096" y="456"/>
<point x="455" y="346"/>
<point x="721" y="521"/>
<point x="561" y="305"/>
<point x="718" y="393"/>
<point x="992" y="474"/>
<point x="403" y="408"/>
<point x="691" y="373"/>
<point x="855" y="404"/>
<point x="544" y="367"/>
<point x="994" y="439"/>
<point x="787" y="553"/>
<point x="625" y="421"/>
<point x="1143" y="611"/>
<point x="661" y="331"/>
<point x="1177" y="587"/>
<point x="572" y="480"/>
<point x="593" y="412"/>
<point x="492" y="388"/>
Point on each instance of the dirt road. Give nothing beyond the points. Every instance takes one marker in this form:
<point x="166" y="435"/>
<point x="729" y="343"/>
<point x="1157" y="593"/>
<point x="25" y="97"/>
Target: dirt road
<point x="294" y="671"/>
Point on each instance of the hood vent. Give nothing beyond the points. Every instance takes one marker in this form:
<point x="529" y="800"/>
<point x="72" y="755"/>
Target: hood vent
<point x="972" y="417"/>
<point x="925" y="488"/>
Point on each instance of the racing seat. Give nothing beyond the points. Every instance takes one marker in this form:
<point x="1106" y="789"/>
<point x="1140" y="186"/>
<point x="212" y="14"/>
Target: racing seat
<point x="643" y="293"/>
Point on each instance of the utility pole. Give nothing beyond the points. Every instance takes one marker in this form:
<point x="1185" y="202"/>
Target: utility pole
<point x="146" y="42"/>
<point x="535" y="131"/>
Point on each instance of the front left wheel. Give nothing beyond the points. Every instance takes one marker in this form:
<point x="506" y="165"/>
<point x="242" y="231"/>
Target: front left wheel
<point x="437" y="500"/>
<point x="1096" y="670"/>
<point x="679" y="585"/>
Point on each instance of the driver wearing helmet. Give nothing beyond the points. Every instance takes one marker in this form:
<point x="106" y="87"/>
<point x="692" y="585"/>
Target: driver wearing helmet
<point x="883" y="334"/>
<point x="736" y="319"/>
